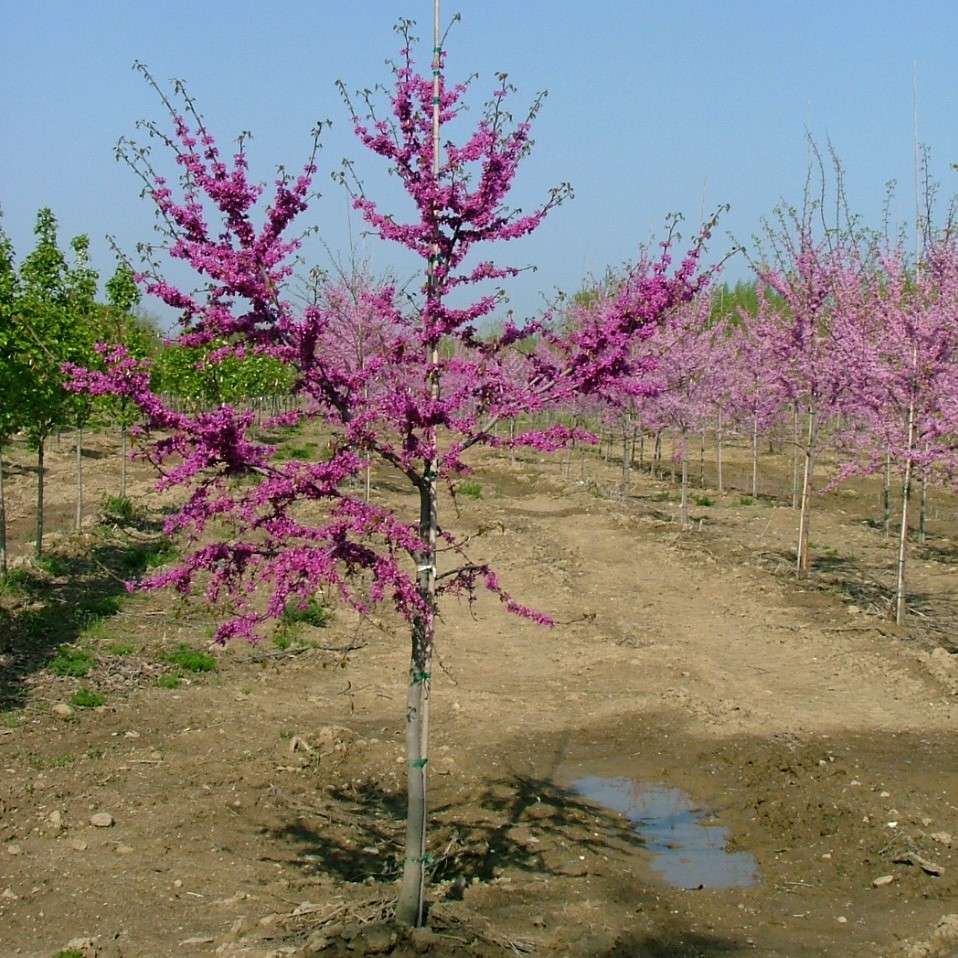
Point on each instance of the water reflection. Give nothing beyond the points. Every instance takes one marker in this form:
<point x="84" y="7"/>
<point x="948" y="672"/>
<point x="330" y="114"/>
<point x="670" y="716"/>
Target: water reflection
<point x="687" y="854"/>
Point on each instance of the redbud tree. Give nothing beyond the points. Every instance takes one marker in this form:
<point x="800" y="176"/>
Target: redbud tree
<point x="433" y="389"/>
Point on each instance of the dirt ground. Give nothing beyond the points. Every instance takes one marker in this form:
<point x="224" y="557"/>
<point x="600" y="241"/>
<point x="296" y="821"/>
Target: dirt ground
<point x="256" y="809"/>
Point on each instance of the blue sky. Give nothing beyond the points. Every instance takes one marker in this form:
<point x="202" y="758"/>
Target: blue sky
<point x="652" y="107"/>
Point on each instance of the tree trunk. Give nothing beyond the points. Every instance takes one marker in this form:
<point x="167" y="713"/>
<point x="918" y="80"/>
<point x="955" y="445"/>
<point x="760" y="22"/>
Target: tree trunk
<point x="641" y="449"/>
<point x="123" y="454"/>
<point x="903" y="532"/>
<point x="39" y="546"/>
<point x="795" y="448"/>
<point x="79" y="474"/>
<point x="657" y="455"/>
<point x="684" y="508"/>
<point x="718" y="440"/>
<point x="805" y="517"/>
<point x="672" y="455"/>
<point x="626" y="457"/>
<point x="3" y="521"/>
<point x="755" y="457"/>
<point x="886" y="496"/>
<point x="923" y="508"/>
<point x="702" y="461"/>
<point x="903" y="545"/>
<point x="409" y="907"/>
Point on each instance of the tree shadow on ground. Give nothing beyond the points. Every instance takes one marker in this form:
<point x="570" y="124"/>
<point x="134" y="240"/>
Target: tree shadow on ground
<point x="54" y="603"/>
<point x="518" y="823"/>
<point x="667" y="943"/>
<point x="946" y="553"/>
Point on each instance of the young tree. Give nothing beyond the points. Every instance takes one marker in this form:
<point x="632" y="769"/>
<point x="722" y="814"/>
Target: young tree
<point x="49" y="332"/>
<point x="418" y="407"/>
<point x="755" y="392"/>
<point x="81" y="284"/>
<point x="10" y="374"/>
<point x="905" y="409"/>
<point x="685" y="348"/>
<point x="807" y="327"/>
<point x="120" y="326"/>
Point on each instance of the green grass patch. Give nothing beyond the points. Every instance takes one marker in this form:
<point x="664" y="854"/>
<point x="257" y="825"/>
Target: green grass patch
<point x="746" y="501"/>
<point x="15" y="582"/>
<point x="306" y="451"/>
<point x="100" y="606"/>
<point x="86" y="699"/>
<point x="315" y="612"/>
<point x="121" y="648"/>
<point x="44" y="762"/>
<point x="71" y="662"/>
<point x="190" y="660"/>
<point x="469" y="488"/>
<point x="704" y="501"/>
<point x="11" y="718"/>
<point x="69" y="953"/>
<point x="51" y="565"/>
<point x="119" y="508"/>
<point x="169" y="681"/>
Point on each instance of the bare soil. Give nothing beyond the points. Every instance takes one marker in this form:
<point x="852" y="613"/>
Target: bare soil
<point x="257" y="809"/>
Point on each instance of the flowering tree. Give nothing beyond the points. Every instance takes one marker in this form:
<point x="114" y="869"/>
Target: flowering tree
<point x="416" y="405"/>
<point x="904" y="415"/>
<point x="685" y="384"/>
<point x="808" y="324"/>
<point x="118" y="325"/>
<point x="755" y="392"/>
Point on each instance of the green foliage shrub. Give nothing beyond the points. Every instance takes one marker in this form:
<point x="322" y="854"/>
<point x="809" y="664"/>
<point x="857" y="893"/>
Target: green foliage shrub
<point x="315" y="613"/>
<point x="119" y="507"/>
<point x="190" y="660"/>
<point x="469" y="488"/>
<point x="86" y="699"/>
<point x="71" y="662"/>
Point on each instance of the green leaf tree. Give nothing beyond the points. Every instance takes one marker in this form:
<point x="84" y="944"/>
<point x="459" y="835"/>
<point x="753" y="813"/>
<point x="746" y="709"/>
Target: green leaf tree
<point x="10" y="405"/>
<point x="52" y="325"/>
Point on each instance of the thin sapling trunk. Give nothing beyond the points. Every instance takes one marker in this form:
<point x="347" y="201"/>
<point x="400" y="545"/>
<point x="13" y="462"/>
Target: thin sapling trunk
<point x="123" y="455"/>
<point x="755" y="457"/>
<point x="905" y="498"/>
<point x="886" y="496"/>
<point x="79" y="475"/>
<point x="40" y="471"/>
<point x="718" y="440"/>
<point x="806" y="505"/>
<point x="3" y="520"/>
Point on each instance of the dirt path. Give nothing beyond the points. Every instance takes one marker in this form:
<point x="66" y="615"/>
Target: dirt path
<point x="274" y="785"/>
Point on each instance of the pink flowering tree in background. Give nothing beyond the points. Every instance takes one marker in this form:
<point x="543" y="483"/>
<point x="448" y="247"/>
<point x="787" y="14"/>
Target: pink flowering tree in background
<point x="755" y="394"/>
<point x="904" y="413"/>
<point x="806" y="331"/>
<point x="682" y="397"/>
<point x="431" y="389"/>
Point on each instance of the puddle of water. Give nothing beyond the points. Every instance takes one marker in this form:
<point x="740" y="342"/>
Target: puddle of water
<point x="687" y="854"/>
